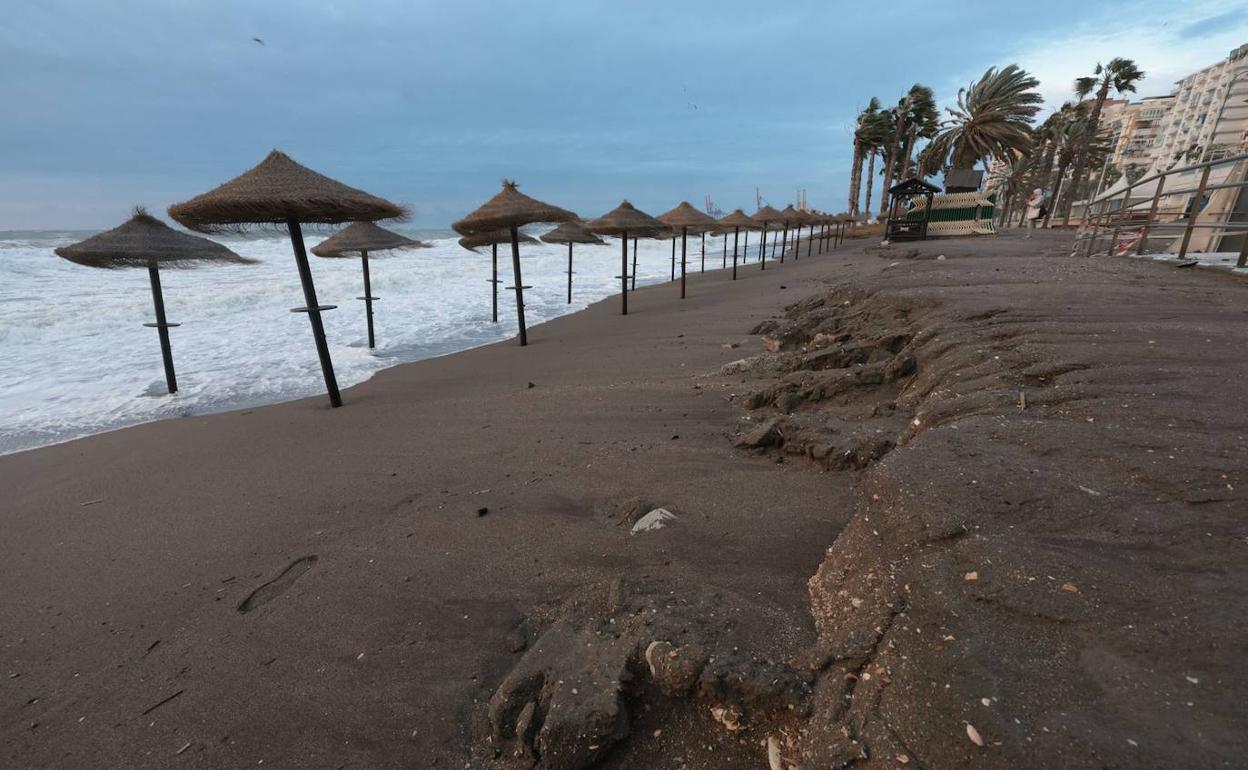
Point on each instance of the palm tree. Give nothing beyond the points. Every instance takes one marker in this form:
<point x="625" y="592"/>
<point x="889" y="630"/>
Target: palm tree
<point x="1068" y="129"/>
<point x="1121" y="75"/>
<point x="876" y="131"/>
<point x="866" y="119"/>
<point x="992" y="119"/>
<point x="916" y="117"/>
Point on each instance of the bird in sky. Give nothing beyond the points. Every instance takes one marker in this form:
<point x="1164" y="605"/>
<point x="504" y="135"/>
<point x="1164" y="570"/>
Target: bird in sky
<point x="258" y="40"/>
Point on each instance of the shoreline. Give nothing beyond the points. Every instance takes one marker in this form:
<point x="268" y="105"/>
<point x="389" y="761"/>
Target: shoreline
<point x="376" y="585"/>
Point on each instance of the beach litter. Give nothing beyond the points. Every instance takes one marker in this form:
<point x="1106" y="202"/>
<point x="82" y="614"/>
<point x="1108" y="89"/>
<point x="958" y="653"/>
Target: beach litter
<point x="656" y="519"/>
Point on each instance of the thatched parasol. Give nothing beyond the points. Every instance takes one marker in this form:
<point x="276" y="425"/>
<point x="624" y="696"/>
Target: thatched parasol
<point x="683" y="217"/>
<point x="362" y="238"/>
<point x="789" y="216"/>
<point x="279" y="191"/>
<point x="474" y="242"/>
<point x="510" y="209"/>
<point x="621" y="221"/>
<point x="763" y="217"/>
<point x="736" y="220"/>
<point x="570" y="233"/>
<point x="806" y="218"/>
<point x="144" y="241"/>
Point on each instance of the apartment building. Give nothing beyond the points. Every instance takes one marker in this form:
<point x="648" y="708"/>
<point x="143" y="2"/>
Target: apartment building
<point x="1137" y="131"/>
<point x="1209" y="115"/>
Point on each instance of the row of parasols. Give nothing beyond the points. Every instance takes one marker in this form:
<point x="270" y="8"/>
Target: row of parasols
<point x="281" y="192"/>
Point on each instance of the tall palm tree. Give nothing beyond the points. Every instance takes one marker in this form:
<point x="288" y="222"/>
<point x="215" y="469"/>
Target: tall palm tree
<point x="877" y="131"/>
<point x="1068" y="130"/>
<point x="1121" y="75"/>
<point x="992" y="119"/>
<point x="916" y="116"/>
<point x="864" y="127"/>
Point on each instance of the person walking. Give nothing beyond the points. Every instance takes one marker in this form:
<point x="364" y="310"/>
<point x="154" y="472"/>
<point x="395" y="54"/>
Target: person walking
<point x="1035" y="210"/>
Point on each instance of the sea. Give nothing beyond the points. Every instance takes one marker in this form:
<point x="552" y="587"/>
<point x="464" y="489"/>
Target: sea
<point x="75" y="358"/>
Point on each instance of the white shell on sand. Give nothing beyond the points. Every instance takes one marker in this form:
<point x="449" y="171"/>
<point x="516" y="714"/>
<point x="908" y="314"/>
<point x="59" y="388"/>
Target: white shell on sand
<point x="656" y="519"/>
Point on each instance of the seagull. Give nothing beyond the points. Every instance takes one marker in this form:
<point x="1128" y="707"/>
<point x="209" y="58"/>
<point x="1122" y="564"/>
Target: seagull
<point x="258" y="40"/>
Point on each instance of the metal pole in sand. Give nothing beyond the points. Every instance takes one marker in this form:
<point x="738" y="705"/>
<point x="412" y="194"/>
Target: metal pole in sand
<point x="314" y="311"/>
<point x="162" y="325"/>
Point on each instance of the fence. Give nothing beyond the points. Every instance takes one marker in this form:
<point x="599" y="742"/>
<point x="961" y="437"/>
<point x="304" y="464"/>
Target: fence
<point x="1198" y="208"/>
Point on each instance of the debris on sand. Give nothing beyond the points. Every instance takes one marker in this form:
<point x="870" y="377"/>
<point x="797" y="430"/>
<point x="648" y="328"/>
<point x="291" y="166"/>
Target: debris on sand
<point x="973" y="734"/>
<point x="656" y="519"/>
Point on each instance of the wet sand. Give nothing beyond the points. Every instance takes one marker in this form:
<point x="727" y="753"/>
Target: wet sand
<point x="308" y="587"/>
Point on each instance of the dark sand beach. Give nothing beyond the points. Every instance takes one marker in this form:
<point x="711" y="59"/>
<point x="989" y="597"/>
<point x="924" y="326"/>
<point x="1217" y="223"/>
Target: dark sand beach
<point x="994" y="497"/>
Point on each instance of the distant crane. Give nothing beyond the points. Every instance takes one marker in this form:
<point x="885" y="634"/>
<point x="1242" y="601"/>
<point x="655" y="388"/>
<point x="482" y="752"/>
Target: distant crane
<point x="712" y="209"/>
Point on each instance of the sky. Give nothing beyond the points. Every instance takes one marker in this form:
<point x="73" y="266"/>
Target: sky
<point x="585" y="102"/>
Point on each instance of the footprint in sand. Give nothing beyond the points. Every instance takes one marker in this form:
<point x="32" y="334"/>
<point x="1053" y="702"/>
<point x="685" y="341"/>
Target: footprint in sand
<point x="269" y="591"/>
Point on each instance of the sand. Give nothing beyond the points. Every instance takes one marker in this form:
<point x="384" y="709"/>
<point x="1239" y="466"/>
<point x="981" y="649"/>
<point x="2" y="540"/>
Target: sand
<point x="388" y="584"/>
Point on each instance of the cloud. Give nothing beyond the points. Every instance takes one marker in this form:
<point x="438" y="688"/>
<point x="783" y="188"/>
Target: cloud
<point x="1214" y="24"/>
<point x="1158" y="39"/>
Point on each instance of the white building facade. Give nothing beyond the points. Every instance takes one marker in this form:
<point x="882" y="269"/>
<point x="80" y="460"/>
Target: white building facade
<point x="1209" y="115"/>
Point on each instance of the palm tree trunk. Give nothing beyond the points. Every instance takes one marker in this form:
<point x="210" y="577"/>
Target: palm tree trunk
<point x="870" y="181"/>
<point x="1081" y="158"/>
<point x="855" y="178"/>
<point x="891" y="159"/>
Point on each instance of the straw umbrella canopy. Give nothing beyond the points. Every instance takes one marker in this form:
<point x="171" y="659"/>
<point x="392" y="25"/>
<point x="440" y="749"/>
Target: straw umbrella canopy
<point x="278" y="192"/>
<point x="362" y="238"/>
<point x="808" y="219"/>
<point x="474" y="242"/>
<point x="144" y="241"/>
<point x="622" y="220"/>
<point x="789" y="216"/>
<point x="681" y="218"/>
<point x="737" y="220"/>
<point x="570" y="233"/>
<point x="763" y="217"/>
<point x="509" y="210"/>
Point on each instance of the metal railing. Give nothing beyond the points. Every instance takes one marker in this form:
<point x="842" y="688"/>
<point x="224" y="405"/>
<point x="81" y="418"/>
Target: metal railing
<point x="1121" y="221"/>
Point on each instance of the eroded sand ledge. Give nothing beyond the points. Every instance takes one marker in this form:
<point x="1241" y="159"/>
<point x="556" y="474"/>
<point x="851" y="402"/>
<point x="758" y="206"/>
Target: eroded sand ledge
<point x="1041" y="567"/>
<point x="182" y="616"/>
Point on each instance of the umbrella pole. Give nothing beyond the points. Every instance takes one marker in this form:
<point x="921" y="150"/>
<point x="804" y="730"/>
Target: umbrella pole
<point x="368" y="299"/>
<point x="810" y="240"/>
<point x="162" y="325"/>
<point x="784" y="242"/>
<point x="314" y="311"/>
<point x="703" y="270"/>
<point x="673" y="258"/>
<point x="494" y="279"/>
<point x="775" y="236"/>
<point x="634" y="263"/>
<point x="745" y="248"/>
<point x="735" y="232"/>
<point x="624" y="270"/>
<point x="569" y="272"/>
<point x="519" y="287"/>
<point x="797" y="243"/>
<point x="762" y="248"/>
<point x="725" y="264"/>
<point x="684" y="231"/>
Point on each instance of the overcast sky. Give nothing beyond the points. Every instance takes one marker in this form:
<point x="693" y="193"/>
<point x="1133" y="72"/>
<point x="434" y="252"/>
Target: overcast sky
<point x="112" y="104"/>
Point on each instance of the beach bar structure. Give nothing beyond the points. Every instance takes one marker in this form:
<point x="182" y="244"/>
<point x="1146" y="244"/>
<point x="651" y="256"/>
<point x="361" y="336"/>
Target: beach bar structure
<point x="362" y="238"/>
<point x="621" y="221"/>
<point x="144" y="241"/>
<point x="682" y="218"/>
<point x="570" y="233"/>
<point x="280" y="192"/>
<point x="906" y="228"/>
<point x="510" y="210"/>
<point x="474" y="242"/>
